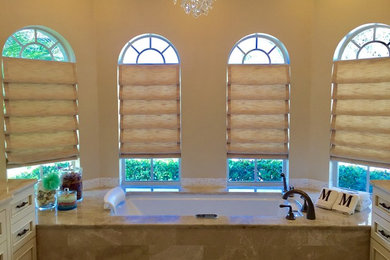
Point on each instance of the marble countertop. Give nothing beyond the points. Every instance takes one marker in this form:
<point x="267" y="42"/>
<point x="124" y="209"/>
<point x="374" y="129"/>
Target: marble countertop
<point x="9" y="187"/>
<point x="382" y="184"/>
<point x="90" y="212"/>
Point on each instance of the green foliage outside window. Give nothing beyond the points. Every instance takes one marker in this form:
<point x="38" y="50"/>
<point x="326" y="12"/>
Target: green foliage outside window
<point x="352" y="177"/>
<point x="34" y="44"/>
<point x="33" y="172"/>
<point x="355" y="177"/>
<point x="141" y="169"/>
<point x="243" y="170"/>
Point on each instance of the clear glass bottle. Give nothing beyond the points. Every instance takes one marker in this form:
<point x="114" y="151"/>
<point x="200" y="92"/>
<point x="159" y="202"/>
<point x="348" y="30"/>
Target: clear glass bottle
<point x="45" y="199"/>
<point x="71" y="178"/>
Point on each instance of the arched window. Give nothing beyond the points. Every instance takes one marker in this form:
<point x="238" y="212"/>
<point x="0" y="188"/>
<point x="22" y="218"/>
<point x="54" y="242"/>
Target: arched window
<point x="40" y="103"/>
<point x="366" y="41"/>
<point x="149" y="49"/>
<point x="258" y="94"/>
<point x="259" y="48"/>
<point x="149" y="113"/>
<point x="360" y="116"/>
<point x="38" y="43"/>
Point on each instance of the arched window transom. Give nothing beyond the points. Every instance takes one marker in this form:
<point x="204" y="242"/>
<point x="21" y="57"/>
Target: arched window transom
<point x="35" y="43"/>
<point x="149" y="49"/>
<point x="366" y="41"/>
<point x="259" y="48"/>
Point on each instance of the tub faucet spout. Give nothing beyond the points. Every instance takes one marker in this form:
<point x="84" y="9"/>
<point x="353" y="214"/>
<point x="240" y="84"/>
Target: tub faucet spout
<point x="310" y="206"/>
<point x="285" y="188"/>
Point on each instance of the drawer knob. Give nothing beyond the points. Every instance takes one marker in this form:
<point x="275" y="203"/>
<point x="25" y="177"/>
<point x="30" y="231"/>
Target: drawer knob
<point x="21" y="205"/>
<point x="383" y="233"/>
<point x="21" y="233"/>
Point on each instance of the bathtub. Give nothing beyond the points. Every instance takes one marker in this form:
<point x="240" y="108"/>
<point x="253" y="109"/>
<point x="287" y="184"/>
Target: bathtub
<point x="182" y="204"/>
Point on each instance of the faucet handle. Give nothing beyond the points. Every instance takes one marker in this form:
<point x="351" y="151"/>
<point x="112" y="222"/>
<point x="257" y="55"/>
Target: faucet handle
<point x="290" y="214"/>
<point x="304" y="206"/>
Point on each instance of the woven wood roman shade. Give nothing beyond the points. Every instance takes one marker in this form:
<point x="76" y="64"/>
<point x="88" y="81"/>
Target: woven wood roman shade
<point x="41" y="111"/>
<point x="258" y="111"/>
<point x="360" y="127"/>
<point x="149" y="111"/>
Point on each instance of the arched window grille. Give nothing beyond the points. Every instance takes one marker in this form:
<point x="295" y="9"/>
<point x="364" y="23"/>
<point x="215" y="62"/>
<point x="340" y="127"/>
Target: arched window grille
<point x="259" y="48"/>
<point x="38" y="43"/>
<point x="149" y="49"/>
<point x="366" y="41"/>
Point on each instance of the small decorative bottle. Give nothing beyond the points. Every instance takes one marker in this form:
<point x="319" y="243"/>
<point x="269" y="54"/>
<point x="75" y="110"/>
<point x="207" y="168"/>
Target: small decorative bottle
<point x="67" y="200"/>
<point x="72" y="179"/>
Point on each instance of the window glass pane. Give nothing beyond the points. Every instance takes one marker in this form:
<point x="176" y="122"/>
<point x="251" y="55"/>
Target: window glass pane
<point x="45" y="39"/>
<point x="159" y="44"/>
<point x="236" y="56"/>
<point x="350" y="52"/>
<point x="276" y="56"/>
<point x="138" y="169"/>
<point x="364" y="37"/>
<point x="141" y="44"/>
<point x="11" y="48"/>
<point x="248" y="44"/>
<point x="374" y="50"/>
<point x="264" y="44"/>
<point x="33" y="172"/>
<point x="130" y="56"/>
<point x="25" y="36"/>
<point x="58" y="53"/>
<point x="256" y="57"/>
<point x="269" y="170"/>
<point x="166" y="169"/>
<point x="382" y="34"/>
<point x="241" y="169"/>
<point x="352" y="176"/>
<point x="379" y="174"/>
<point x="36" y="52"/>
<point x="170" y="56"/>
<point x="149" y="57"/>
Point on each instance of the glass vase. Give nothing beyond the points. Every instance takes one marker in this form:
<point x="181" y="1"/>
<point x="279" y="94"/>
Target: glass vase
<point x="45" y="199"/>
<point x="71" y="178"/>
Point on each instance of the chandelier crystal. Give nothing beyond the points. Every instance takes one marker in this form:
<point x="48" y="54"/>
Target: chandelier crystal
<point x="196" y="7"/>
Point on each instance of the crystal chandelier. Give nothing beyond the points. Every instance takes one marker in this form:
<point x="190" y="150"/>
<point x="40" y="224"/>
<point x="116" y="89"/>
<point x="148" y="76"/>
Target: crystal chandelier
<point x="196" y="7"/>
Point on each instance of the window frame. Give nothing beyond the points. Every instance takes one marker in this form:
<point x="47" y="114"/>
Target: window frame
<point x="122" y="161"/>
<point x="149" y="183"/>
<point x="69" y="56"/>
<point x="271" y="38"/>
<point x="285" y="162"/>
<point x="338" y="55"/>
<point x="351" y="36"/>
<point x="60" y="41"/>
<point x="256" y="182"/>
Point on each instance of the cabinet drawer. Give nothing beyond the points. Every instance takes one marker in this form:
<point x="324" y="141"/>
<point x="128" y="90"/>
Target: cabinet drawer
<point x="3" y="251"/>
<point x="380" y="231"/>
<point x="27" y="252"/>
<point x="381" y="203"/>
<point x="378" y="252"/>
<point x="3" y="226"/>
<point x="22" y="231"/>
<point x="21" y="205"/>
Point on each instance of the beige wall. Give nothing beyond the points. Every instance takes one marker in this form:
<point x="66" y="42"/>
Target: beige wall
<point x="97" y="31"/>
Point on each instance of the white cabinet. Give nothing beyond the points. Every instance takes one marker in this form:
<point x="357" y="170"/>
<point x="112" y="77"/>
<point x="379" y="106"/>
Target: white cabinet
<point x="17" y="220"/>
<point x="380" y="228"/>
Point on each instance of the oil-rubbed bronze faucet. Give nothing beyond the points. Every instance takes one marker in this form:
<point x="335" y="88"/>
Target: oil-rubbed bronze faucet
<point x="285" y="188"/>
<point x="310" y="207"/>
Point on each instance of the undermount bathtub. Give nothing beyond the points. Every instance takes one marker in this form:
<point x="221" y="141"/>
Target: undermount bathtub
<point x="182" y="204"/>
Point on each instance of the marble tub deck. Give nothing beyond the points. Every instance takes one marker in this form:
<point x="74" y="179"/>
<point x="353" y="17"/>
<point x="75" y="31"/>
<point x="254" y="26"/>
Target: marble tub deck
<point x="89" y="232"/>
